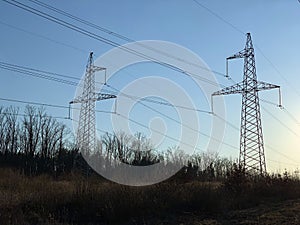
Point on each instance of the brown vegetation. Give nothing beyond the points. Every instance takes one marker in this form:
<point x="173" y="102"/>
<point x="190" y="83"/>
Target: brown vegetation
<point x="74" y="199"/>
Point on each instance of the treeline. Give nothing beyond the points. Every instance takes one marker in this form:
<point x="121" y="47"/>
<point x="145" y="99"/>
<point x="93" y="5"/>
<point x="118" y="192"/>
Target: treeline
<point x="37" y="143"/>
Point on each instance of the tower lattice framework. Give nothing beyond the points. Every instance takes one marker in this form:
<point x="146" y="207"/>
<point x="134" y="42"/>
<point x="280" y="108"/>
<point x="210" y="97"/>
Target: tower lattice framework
<point x="252" y="155"/>
<point x="86" y="132"/>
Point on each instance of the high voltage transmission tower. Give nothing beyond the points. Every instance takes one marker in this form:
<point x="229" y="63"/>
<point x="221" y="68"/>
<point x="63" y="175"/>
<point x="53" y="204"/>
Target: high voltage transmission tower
<point x="252" y="156"/>
<point x="86" y="132"/>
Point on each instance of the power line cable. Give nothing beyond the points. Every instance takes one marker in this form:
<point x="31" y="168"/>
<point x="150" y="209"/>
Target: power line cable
<point x="44" y="75"/>
<point x="37" y="70"/>
<point x="178" y="122"/>
<point x="48" y="18"/>
<point x="145" y="100"/>
<point x="41" y="73"/>
<point x="105" y="40"/>
<point x="122" y="37"/>
<point x="35" y="115"/>
<point x="219" y="17"/>
<point x="279" y="121"/>
<point x="289" y="114"/>
<point x="292" y="117"/>
<point x="103" y="131"/>
<point x="157" y="131"/>
<point x="110" y="32"/>
<point x="125" y="38"/>
<point x="36" y="74"/>
<point x="269" y="146"/>
<point x="279" y="162"/>
<point x="280" y="153"/>
<point x="297" y="163"/>
<point x="43" y="37"/>
<point x="66" y="107"/>
<point x="155" y="101"/>
<point x="276" y="118"/>
<point x="278" y="72"/>
<point x="34" y="103"/>
<point x="242" y="32"/>
<point x="48" y="105"/>
<point x="261" y="52"/>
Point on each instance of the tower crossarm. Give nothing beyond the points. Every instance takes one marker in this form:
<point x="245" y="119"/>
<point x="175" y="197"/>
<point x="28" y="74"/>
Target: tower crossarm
<point x="240" y="54"/>
<point x="265" y="86"/>
<point x="102" y="96"/>
<point x="239" y="89"/>
<point x="246" y="52"/>
<point x="234" y="89"/>
<point x="96" y="97"/>
<point x="93" y="69"/>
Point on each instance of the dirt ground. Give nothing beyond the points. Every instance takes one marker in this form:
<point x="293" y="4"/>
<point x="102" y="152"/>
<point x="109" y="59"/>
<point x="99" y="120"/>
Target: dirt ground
<point x="287" y="212"/>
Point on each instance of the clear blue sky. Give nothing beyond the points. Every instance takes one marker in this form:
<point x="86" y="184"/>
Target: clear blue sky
<point x="274" y="25"/>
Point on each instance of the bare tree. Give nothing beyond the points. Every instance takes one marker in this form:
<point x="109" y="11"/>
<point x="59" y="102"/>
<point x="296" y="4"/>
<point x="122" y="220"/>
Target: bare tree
<point x="12" y="130"/>
<point x="32" y="123"/>
<point x="50" y="136"/>
<point x="2" y="129"/>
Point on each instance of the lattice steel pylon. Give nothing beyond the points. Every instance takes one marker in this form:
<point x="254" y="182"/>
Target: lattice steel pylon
<point x="252" y="155"/>
<point x="86" y="132"/>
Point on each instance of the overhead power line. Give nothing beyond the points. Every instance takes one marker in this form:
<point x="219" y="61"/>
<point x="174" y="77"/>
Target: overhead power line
<point x="120" y="36"/>
<point x="9" y="65"/>
<point x="279" y="121"/>
<point x="67" y="107"/>
<point x="115" y="34"/>
<point x="288" y="113"/>
<point x="61" y="22"/>
<point x="48" y="105"/>
<point x="178" y="122"/>
<point x="155" y="101"/>
<point x="94" y="38"/>
<point x="42" y="74"/>
<point x="107" y="41"/>
<point x="22" y="69"/>
<point x="129" y="39"/>
<point x="279" y="162"/>
<point x="278" y="72"/>
<point x="203" y="134"/>
<point x="227" y="122"/>
<point x="33" y="103"/>
<point x="42" y="116"/>
<point x="157" y="131"/>
<point x="257" y="47"/>
<point x="291" y="116"/>
<point x="267" y="145"/>
<point x="53" y="77"/>
<point x="33" y="73"/>
<point x="99" y="111"/>
<point x="42" y="37"/>
<point x="219" y="17"/>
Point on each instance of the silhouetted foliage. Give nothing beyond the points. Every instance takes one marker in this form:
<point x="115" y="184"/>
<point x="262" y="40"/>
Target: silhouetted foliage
<point x="49" y="182"/>
<point x="38" y="143"/>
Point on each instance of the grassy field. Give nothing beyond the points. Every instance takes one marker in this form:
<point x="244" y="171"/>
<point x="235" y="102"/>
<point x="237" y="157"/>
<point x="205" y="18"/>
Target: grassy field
<point x="73" y="199"/>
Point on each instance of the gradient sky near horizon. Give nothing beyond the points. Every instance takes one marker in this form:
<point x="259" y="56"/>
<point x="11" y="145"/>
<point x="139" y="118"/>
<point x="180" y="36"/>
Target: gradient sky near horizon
<point x="213" y="33"/>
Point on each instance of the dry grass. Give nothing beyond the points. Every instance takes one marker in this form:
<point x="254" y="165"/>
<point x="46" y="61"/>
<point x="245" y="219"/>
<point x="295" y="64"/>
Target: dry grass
<point x="75" y="200"/>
